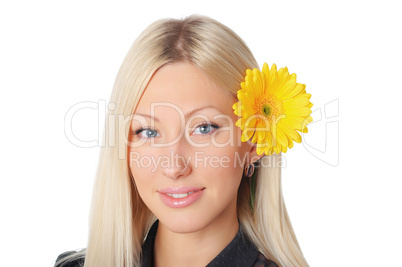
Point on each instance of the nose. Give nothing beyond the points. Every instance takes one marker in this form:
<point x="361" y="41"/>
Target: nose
<point x="178" y="165"/>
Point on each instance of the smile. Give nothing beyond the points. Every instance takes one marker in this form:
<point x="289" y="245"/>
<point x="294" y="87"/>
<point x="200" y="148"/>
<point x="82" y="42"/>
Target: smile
<point x="181" y="200"/>
<point x="180" y="195"/>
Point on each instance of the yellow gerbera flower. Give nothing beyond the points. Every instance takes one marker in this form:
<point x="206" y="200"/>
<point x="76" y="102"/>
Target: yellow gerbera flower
<point x="272" y="107"/>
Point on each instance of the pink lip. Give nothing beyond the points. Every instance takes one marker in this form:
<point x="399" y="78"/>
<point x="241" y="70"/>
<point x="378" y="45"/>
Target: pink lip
<point x="180" y="190"/>
<point x="180" y="202"/>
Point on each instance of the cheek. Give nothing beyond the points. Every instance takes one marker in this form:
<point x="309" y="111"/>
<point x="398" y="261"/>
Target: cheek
<point x="141" y="170"/>
<point x="228" y="135"/>
<point x="224" y="165"/>
<point x="228" y="152"/>
<point x="223" y="182"/>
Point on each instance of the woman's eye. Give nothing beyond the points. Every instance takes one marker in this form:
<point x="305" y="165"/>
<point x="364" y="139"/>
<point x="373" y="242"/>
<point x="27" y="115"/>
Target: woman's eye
<point x="147" y="133"/>
<point x="205" y="129"/>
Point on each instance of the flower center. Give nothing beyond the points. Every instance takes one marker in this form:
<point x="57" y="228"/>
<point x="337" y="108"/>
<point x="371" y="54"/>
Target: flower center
<point x="266" y="110"/>
<point x="269" y="107"/>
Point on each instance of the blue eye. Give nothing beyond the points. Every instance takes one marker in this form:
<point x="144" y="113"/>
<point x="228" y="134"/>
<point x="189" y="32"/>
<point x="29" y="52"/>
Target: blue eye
<point x="205" y="129"/>
<point x="147" y="133"/>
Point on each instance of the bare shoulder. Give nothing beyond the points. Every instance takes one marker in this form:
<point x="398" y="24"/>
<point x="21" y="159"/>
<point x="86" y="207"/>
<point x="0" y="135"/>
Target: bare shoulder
<point x="262" y="261"/>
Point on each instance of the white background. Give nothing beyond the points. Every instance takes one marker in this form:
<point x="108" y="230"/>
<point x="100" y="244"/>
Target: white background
<point x="344" y="198"/>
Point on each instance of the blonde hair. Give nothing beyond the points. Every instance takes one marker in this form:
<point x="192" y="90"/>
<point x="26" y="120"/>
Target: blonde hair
<point x="119" y="219"/>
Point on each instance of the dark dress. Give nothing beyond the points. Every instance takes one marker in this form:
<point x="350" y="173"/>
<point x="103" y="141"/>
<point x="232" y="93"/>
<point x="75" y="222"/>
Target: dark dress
<point x="240" y="252"/>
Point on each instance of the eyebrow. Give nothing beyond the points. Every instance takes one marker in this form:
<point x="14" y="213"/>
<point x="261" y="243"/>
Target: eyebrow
<point x="188" y="114"/>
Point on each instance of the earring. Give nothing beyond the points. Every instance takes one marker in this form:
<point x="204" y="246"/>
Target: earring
<point x="249" y="170"/>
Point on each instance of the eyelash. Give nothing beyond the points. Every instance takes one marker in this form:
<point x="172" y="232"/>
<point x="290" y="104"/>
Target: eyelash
<point x="140" y="130"/>
<point x="212" y="125"/>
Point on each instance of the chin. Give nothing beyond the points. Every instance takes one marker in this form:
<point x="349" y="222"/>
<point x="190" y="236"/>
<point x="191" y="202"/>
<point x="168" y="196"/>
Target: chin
<point x="183" y="223"/>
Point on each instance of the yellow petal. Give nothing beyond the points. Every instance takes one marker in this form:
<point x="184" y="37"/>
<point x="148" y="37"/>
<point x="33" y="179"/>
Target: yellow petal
<point x="246" y="135"/>
<point x="304" y="125"/>
<point x="255" y="138"/>
<point x="261" y="130"/>
<point x="293" y="122"/>
<point x="290" y="141"/>
<point x="296" y="102"/>
<point x="301" y="111"/>
<point x="264" y="83"/>
<point x="260" y="150"/>
<point x="296" y="90"/>
<point x="267" y="139"/>
<point x="242" y="85"/>
<point x="277" y="149"/>
<point x="283" y="141"/>
<point x="272" y="80"/>
<point x="257" y="79"/>
<point x="250" y="96"/>
<point x="239" y="123"/>
<point x="236" y="107"/>
<point x="250" y="124"/>
<point x="290" y="132"/>
<point x="309" y="119"/>
<point x="265" y="69"/>
<point x="286" y="88"/>
<point x="283" y="75"/>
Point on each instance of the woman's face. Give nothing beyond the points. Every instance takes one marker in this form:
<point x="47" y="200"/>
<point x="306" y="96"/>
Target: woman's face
<point x="183" y="137"/>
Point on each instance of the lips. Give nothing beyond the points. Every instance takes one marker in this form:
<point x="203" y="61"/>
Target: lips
<point x="180" y="190"/>
<point x="180" y="197"/>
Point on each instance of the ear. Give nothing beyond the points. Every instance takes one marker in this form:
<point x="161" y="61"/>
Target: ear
<point x="253" y="153"/>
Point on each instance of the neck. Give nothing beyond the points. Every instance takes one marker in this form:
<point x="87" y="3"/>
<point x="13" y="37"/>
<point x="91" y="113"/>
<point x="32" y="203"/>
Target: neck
<point x="196" y="248"/>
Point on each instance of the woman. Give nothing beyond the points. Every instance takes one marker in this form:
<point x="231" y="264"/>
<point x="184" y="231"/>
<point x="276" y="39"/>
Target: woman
<point x="173" y="182"/>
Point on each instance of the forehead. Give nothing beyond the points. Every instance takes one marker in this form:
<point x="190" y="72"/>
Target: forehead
<point x="185" y="86"/>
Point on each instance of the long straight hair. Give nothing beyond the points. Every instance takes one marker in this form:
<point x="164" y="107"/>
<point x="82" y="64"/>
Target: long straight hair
<point x="119" y="219"/>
